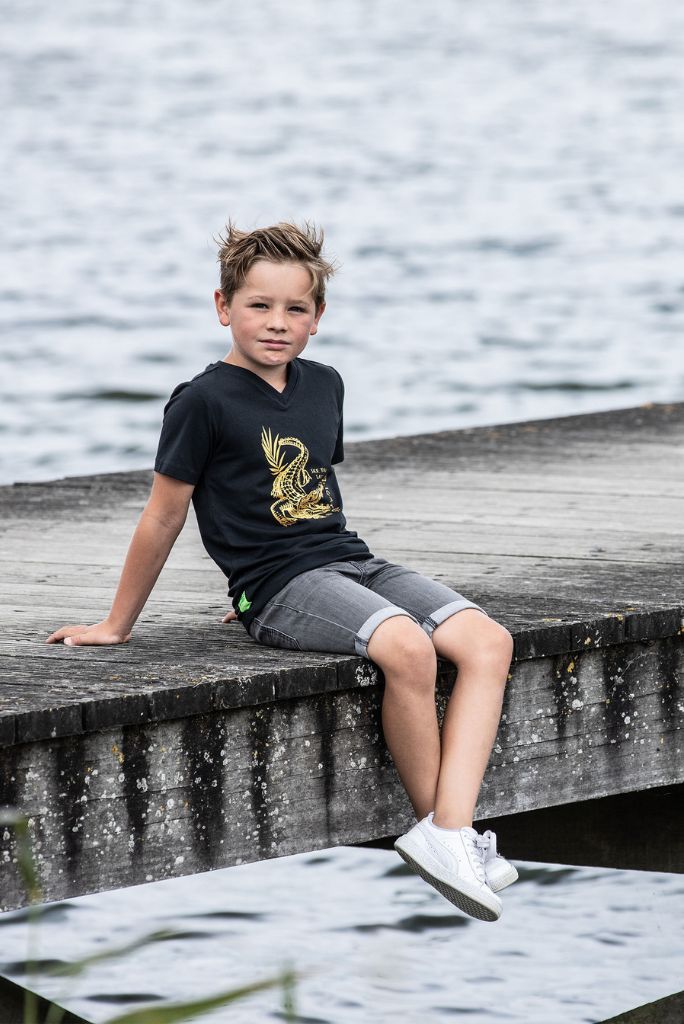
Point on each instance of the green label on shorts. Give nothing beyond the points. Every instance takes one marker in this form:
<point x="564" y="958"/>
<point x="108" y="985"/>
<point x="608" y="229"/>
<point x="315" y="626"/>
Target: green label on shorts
<point x="244" y="604"/>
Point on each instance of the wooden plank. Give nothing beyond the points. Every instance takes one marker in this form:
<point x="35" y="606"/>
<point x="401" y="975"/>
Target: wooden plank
<point x="448" y="503"/>
<point x="668" y="1010"/>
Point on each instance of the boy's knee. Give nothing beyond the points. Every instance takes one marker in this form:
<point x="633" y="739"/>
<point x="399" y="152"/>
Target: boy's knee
<point x="494" y="642"/>
<point x="399" y="643"/>
<point x="473" y="638"/>
<point x="501" y="640"/>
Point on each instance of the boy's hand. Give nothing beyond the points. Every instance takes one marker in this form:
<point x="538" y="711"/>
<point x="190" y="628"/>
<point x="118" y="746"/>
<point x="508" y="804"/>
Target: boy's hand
<point x="82" y="635"/>
<point x="229" y="616"/>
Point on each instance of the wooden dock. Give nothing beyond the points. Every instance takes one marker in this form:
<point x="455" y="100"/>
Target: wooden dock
<point x="192" y="748"/>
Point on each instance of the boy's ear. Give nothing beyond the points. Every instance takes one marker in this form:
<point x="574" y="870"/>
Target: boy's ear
<point x="319" y="314"/>
<point x="222" y="307"/>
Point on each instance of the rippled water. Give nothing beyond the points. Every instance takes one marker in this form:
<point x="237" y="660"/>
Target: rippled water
<point x="501" y="183"/>
<point x="374" y="943"/>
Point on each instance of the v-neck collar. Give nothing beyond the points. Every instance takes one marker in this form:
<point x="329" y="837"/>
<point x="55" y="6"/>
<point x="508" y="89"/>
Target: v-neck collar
<point x="284" y="396"/>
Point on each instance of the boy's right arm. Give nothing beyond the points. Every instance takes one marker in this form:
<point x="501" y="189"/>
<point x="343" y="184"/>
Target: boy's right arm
<point x="160" y="523"/>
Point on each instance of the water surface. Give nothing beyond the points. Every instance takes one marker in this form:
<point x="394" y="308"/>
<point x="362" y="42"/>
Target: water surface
<point x="375" y="943"/>
<point x="500" y="184"/>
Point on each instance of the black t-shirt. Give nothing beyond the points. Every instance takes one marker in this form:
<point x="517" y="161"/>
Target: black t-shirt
<point x="266" y="497"/>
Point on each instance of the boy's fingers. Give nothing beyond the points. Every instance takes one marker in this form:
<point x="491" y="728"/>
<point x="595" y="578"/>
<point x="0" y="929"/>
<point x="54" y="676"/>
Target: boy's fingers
<point x="59" y="634"/>
<point x="83" y="635"/>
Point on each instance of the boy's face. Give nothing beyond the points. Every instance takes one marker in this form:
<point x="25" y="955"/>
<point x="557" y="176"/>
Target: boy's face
<point x="271" y="317"/>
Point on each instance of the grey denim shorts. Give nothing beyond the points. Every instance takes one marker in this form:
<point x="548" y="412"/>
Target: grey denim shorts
<point x="337" y="606"/>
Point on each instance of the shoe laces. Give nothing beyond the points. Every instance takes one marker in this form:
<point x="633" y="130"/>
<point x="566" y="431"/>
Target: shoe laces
<point x="487" y="843"/>
<point x="477" y="852"/>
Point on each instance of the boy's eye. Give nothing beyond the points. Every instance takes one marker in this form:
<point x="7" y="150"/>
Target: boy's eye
<point x="300" y="309"/>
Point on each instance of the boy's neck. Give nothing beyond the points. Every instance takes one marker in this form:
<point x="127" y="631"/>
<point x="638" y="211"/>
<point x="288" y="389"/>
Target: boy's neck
<point x="278" y="378"/>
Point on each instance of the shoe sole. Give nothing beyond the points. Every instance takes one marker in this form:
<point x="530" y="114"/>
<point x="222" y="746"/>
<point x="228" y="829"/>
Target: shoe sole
<point x="504" y="879"/>
<point x="464" y="899"/>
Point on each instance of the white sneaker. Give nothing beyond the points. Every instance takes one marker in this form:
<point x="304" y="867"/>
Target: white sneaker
<point x="499" y="872"/>
<point x="453" y="863"/>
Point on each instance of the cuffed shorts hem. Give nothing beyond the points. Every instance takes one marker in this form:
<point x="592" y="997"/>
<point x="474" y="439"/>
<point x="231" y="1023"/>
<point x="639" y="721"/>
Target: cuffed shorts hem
<point x="371" y="624"/>
<point x="443" y="613"/>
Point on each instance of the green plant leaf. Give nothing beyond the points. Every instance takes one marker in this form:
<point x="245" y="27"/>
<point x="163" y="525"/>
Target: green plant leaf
<point x="170" y="1014"/>
<point x="289" y="1008"/>
<point x="177" y="1012"/>
<point x="78" y="966"/>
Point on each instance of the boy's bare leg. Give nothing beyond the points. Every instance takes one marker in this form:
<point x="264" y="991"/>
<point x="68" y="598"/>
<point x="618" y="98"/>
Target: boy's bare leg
<point x="442" y="777"/>
<point x="482" y="650"/>
<point x="408" y="661"/>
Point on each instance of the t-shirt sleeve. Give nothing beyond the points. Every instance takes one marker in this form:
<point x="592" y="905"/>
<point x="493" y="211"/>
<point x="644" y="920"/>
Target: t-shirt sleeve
<point x="186" y="439"/>
<point x="338" y="454"/>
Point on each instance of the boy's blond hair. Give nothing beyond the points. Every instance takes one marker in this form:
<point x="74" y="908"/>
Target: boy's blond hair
<point x="281" y="243"/>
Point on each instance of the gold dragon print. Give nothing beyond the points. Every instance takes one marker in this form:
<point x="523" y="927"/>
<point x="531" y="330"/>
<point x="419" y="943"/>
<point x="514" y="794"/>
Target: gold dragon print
<point x="293" y="502"/>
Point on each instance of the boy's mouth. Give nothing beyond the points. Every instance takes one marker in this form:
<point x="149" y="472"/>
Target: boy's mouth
<point x="275" y="344"/>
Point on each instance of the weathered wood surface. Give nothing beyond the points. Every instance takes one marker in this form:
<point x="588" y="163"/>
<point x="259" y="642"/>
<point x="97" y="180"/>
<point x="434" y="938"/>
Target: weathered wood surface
<point x="668" y="1010"/>
<point x="192" y="747"/>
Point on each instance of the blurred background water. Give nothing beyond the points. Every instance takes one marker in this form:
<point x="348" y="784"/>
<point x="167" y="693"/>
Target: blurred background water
<point x="501" y="185"/>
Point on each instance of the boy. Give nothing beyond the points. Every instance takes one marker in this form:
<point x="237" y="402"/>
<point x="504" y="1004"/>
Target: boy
<point x="252" y="440"/>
